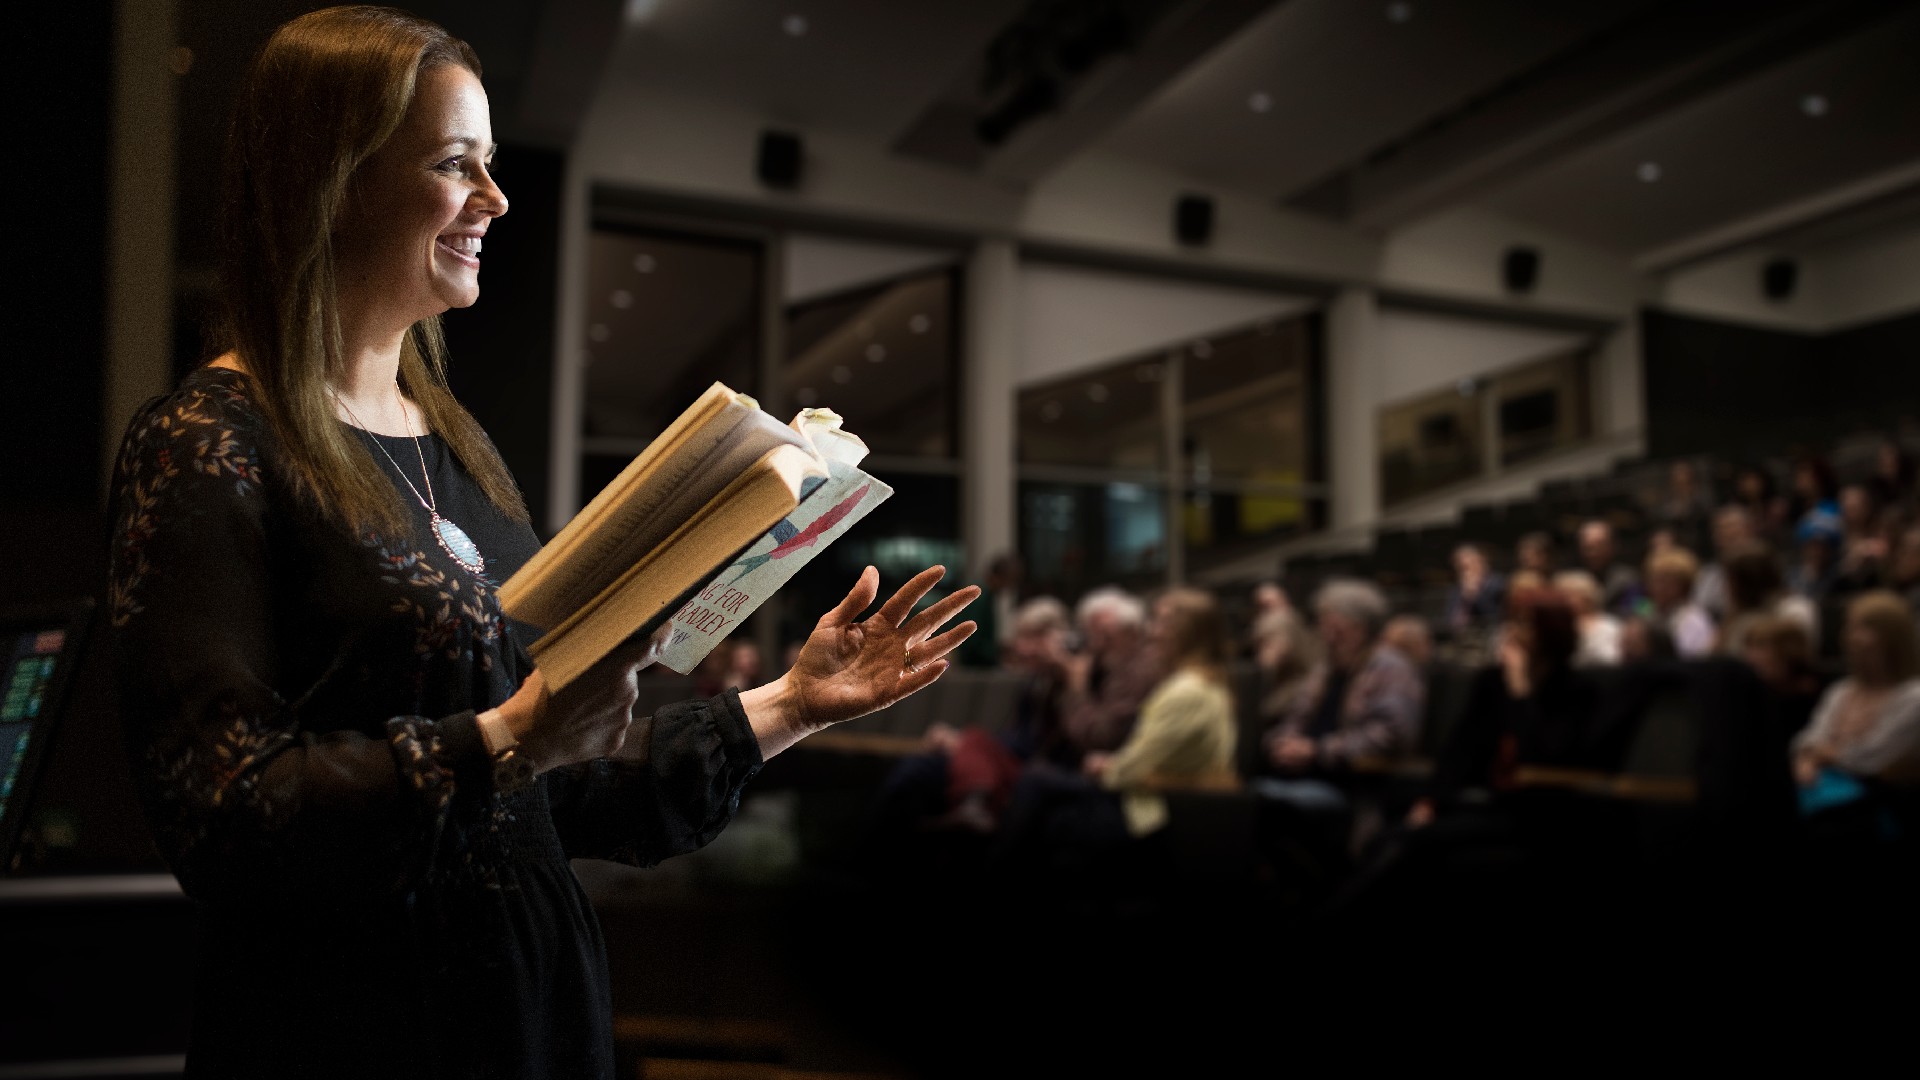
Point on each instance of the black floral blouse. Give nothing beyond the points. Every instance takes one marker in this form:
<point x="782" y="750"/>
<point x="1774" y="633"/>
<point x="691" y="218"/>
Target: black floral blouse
<point x="301" y="705"/>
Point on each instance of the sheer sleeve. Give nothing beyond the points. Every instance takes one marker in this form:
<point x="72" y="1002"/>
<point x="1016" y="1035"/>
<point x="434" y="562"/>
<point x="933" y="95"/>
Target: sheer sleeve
<point x="675" y="785"/>
<point x="244" y="799"/>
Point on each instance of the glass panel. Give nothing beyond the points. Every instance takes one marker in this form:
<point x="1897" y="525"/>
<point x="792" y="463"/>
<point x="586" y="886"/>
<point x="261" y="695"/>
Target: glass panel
<point x="1542" y="407"/>
<point x="1077" y="536"/>
<point x="1108" y="418"/>
<point x="667" y="315"/>
<point x="884" y="357"/>
<point x="1250" y="463"/>
<point x="1430" y="442"/>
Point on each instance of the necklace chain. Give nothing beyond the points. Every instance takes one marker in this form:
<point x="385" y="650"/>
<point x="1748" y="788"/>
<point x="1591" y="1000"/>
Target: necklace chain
<point x="451" y="538"/>
<point x="425" y="500"/>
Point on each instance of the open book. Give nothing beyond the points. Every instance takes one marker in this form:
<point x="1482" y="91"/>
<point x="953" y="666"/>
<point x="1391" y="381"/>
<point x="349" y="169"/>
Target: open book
<point x="700" y="528"/>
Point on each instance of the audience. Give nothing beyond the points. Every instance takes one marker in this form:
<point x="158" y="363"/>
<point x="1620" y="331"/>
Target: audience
<point x="1070" y="828"/>
<point x="1113" y="703"/>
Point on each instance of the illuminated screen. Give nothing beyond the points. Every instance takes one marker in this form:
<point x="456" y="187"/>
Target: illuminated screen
<point x="30" y="665"/>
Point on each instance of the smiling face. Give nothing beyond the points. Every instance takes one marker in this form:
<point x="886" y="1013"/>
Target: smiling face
<point x="409" y="242"/>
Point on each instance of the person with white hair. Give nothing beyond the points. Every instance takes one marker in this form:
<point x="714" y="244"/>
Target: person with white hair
<point x="1363" y="699"/>
<point x="1599" y="629"/>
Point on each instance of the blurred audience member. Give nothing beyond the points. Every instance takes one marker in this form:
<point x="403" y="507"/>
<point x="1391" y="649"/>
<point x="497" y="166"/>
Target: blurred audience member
<point x="1410" y="634"/>
<point x="1816" y="559"/>
<point x="1268" y="597"/>
<point x="746" y="668"/>
<point x="1866" y="727"/>
<point x="1363" y="700"/>
<point x="1864" y="545"/>
<point x="1733" y="529"/>
<point x="1755" y="491"/>
<point x="1284" y="651"/>
<point x="999" y="589"/>
<point x="1757" y="588"/>
<point x="1598" y="556"/>
<point x="1893" y="475"/>
<point x="1641" y="641"/>
<point x="1781" y="652"/>
<point x="1903" y="566"/>
<point x="1599" y="629"/>
<point x="1476" y="597"/>
<point x="1686" y="501"/>
<point x="1671" y="610"/>
<point x="1533" y="553"/>
<point x="1106" y="682"/>
<point x="1814" y="499"/>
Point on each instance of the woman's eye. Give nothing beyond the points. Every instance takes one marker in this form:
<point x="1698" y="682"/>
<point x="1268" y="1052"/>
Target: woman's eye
<point x="451" y="165"/>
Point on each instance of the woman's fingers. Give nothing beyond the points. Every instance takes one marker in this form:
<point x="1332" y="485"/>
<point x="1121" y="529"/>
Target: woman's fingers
<point x="936" y="647"/>
<point x="862" y="594"/>
<point x="900" y="604"/>
<point x="937" y="614"/>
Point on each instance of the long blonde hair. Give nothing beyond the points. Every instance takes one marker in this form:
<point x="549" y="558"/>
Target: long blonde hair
<point x="326" y="91"/>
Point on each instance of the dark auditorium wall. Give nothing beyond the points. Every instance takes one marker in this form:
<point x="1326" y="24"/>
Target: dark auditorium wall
<point x="51" y="510"/>
<point x="1737" y="390"/>
<point x="500" y="351"/>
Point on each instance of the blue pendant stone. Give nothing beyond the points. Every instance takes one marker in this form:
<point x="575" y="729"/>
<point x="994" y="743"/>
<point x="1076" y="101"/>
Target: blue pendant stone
<point x="458" y="544"/>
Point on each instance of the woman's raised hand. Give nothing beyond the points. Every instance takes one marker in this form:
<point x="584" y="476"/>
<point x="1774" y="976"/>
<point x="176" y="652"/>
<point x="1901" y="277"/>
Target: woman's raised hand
<point x="849" y="668"/>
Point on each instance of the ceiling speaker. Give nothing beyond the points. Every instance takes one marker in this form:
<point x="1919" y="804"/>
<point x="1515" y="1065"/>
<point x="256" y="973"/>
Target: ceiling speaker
<point x="1520" y="269"/>
<point x="1193" y="219"/>
<point x="780" y="158"/>
<point x="1777" y="278"/>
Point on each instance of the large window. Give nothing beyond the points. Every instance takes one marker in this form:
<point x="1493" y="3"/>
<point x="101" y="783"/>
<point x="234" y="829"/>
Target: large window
<point x="1482" y="425"/>
<point x="1156" y="466"/>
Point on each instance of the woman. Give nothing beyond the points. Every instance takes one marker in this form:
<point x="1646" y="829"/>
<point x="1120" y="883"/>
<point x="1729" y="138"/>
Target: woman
<point x="348" y="759"/>
<point x="1867" y="725"/>
<point x="1599" y="630"/>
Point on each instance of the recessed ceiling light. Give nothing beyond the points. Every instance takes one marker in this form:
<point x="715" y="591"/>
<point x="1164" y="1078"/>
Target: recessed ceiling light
<point x="876" y="352"/>
<point x="1399" y="11"/>
<point x="1814" y="105"/>
<point x="621" y="299"/>
<point x="639" y="11"/>
<point x="794" y="25"/>
<point x="644" y="263"/>
<point x="1649" y="171"/>
<point x="1260" y="101"/>
<point x="842" y="374"/>
<point x="919" y="324"/>
<point x="1097" y="392"/>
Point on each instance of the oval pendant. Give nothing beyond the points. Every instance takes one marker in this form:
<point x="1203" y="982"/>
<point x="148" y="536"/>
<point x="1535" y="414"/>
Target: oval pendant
<point x="455" y="542"/>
